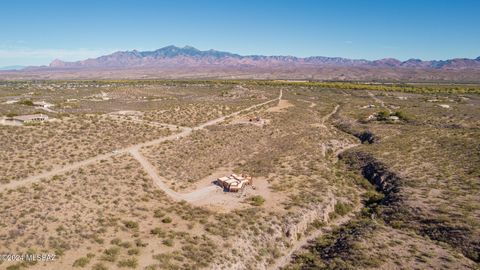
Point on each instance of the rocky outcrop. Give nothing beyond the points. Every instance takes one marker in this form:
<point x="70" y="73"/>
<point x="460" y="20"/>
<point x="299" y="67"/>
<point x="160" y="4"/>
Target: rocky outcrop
<point x="281" y="237"/>
<point x="366" y="137"/>
<point x="376" y="172"/>
<point x="297" y="225"/>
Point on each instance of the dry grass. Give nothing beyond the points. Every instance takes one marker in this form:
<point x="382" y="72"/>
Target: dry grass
<point x="110" y="215"/>
<point x="33" y="149"/>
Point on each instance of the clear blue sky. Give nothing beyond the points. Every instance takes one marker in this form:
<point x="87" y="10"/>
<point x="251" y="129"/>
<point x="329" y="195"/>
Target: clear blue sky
<point x="36" y="32"/>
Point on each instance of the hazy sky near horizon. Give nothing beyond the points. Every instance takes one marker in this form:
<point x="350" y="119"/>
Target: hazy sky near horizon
<point x="36" y="32"/>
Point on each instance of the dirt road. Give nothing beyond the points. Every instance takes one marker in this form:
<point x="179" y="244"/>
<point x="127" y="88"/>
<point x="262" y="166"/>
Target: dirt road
<point x="193" y="196"/>
<point x="197" y="194"/>
<point x="76" y="165"/>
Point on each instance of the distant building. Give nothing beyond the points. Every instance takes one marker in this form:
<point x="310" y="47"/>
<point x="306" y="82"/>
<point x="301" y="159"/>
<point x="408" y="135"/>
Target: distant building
<point x="42" y="104"/>
<point x="234" y="183"/>
<point x="30" y="118"/>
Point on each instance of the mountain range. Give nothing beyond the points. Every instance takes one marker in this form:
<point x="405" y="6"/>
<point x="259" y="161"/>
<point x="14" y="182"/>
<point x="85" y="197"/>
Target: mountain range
<point x="187" y="62"/>
<point x="172" y="56"/>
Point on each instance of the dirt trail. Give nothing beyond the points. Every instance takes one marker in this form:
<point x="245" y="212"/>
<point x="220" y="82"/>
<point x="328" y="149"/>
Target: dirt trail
<point x="326" y="117"/>
<point x="185" y="132"/>
<point x="312" y="104"/>
<point x="221" y="119"/>
<point x="379" y="101"/>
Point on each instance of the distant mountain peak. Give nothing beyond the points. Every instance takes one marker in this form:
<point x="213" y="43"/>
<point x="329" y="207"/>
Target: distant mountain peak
<point x="57" y="63"/>
<point x="188" y="47"/>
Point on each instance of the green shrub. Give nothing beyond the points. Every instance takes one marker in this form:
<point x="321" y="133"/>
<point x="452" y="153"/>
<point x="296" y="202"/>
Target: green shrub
<point x="168" y="242"/>
<point x="342" y="208"/>
<point x="402" y="115"/>
<point x="116" y="241"/>
<point x="133" y="251"/>
<point x="383" y="115"/>
<point x="257" y="200"/>
<point x="126" y="244"/>
<point x="167" y="220"/>
<point x="139" y="243"/>
<point x="111" y="254"/>
<point x="81" y="262"/>
<point x="131" y="224"/>
<point x="318" y="223"/>
<point x="373" y="196"/>
<point x="99" y="266"/>
<point x="130" y="263"/>
<point x="158" y="232"/>
<point x="17" y="266"/>
<point x="159" y="213"/>
<point x="26" y="102"/>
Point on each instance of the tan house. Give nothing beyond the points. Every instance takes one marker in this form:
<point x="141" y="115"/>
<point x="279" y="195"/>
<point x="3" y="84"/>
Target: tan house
<point x="234" y="183"/>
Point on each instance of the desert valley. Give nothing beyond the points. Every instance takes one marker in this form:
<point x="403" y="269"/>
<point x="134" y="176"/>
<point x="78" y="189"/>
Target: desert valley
<point x="122" y="174"/>
<point x="240" y="135"/>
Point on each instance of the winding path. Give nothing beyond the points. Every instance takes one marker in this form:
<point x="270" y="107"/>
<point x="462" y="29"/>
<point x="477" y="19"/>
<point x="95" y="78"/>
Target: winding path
<point x="326" y="117"/>
<point x="193" y="196"/>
